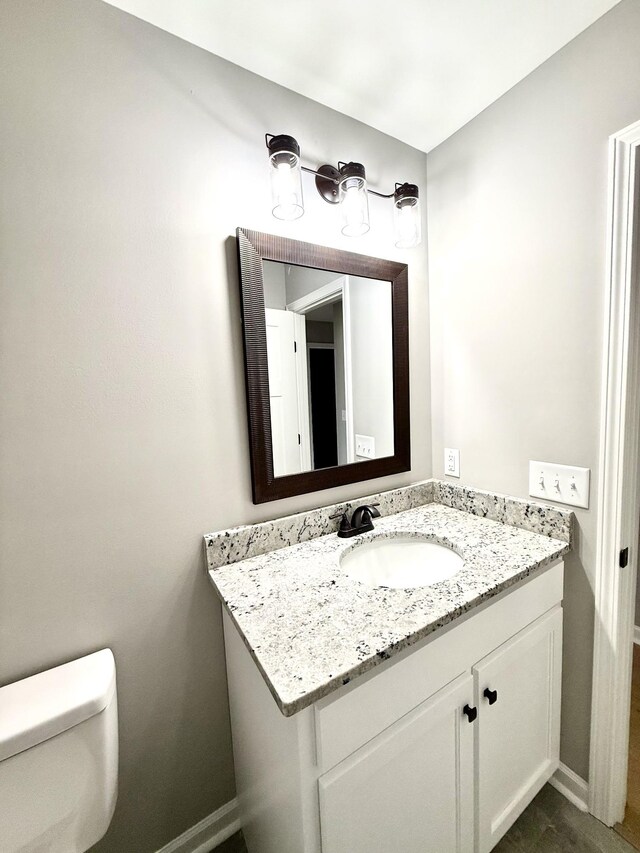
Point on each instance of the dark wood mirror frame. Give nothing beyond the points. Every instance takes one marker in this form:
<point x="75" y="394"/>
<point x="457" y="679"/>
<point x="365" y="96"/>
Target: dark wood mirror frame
<point x="253" y="248"/>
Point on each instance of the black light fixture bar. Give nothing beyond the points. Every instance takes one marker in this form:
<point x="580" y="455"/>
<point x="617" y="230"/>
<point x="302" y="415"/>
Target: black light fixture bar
<point x="325" y="176"/>
<point x="380" y="195"/>
<point x="336" y="181"/>
<point x="316" y="172"/>
<point x="345" y="185"/>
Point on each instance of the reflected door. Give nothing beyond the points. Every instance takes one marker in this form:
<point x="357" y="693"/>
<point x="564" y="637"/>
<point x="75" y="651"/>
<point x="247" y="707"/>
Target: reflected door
<point x="283" y="392"/>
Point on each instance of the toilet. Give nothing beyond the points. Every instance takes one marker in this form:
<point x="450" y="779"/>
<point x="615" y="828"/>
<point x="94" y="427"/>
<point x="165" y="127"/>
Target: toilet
<point x="59" y="757"/>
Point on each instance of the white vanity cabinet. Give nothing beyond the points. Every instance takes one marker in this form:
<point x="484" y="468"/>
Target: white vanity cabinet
<point x="410" y="788"/>
<point x="437" y="750"/>
<point x="517" y="690"/>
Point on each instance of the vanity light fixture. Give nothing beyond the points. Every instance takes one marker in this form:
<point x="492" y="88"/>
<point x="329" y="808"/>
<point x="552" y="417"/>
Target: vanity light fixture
<point x="286" y="180"/>
<point x="406" y="216"/>
<point x="352" y="196"/>
<point x="346" y="186"/>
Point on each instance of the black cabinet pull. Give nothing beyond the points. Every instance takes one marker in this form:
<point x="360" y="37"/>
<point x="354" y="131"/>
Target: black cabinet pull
<point x="491" y="695"/>
<point x="471" y="713"/>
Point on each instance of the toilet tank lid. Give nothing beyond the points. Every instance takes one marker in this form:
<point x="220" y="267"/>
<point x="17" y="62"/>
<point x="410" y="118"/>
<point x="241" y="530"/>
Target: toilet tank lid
<point x="44" y="705"/>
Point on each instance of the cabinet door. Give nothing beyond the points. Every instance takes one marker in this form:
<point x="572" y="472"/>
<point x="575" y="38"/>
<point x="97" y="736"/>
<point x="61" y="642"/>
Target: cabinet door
<point x="519" y="724"/>
<point x="410" y="788"/>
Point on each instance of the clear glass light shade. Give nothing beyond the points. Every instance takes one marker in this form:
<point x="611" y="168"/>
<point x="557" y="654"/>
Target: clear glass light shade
<point x="407" y="222"/>
<point x="355" y="206"/>
<point x="286" y="185"/>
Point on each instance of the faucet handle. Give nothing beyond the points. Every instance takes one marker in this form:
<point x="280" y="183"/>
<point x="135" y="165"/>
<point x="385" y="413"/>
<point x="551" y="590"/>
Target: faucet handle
<point x="345" y="526"/>
<point x="338" y="514"/>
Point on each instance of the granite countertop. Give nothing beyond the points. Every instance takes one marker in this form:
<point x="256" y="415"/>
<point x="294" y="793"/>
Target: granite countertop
<point x="311" y="628"/>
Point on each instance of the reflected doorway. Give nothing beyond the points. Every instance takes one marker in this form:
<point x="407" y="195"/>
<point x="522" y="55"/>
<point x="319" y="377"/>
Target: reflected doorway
<point x="322" y="387"/>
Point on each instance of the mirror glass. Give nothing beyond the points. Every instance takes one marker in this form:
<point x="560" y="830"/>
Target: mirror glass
<point x="330" y="367"/>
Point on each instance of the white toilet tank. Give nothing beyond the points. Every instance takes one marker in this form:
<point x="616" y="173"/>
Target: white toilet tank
<point x="59" y="757"/>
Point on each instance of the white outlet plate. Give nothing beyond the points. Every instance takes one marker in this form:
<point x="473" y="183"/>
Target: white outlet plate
<point x="451" y="462"/>
<point x="563" y="484"/>
<point x="365" y="446"/>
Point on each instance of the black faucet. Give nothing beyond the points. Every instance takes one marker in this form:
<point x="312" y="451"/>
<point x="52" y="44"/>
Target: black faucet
<point x="361" y="520"/>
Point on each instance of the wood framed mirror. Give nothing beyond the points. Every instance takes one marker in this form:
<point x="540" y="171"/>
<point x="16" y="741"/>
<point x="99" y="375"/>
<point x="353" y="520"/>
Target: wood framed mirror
<point x="326" y="351"/>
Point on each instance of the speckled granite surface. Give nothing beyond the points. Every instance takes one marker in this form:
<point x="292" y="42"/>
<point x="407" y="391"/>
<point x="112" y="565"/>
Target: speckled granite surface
<point x="239" y="543"/>
<point x="528" y="515"/>
<point x="310" y="628"/>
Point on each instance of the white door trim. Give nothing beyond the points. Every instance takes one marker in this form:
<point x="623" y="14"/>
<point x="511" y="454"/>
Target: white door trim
<point x="618" y="507"/>
<point x="332" y="292"/>
<point x="320" y="296"/>
<point x="302" y="380"/>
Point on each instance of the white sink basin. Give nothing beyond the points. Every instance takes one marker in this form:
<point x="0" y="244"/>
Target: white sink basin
<point x="402" y="562"/>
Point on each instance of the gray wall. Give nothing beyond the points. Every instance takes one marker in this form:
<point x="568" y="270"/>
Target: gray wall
<point x="341" y="427"/>
<point x="372" y="362"/>
<point x="128" y="159"/>
<point x="301" y="282"/>
<point x="319" y="331"/>
<point x="517" y="238"/>
<point x="273" y="285"/>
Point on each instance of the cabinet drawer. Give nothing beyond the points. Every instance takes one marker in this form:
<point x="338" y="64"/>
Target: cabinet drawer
<point x="350" y="718"/>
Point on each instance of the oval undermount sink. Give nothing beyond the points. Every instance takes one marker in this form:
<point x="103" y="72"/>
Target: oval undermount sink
<point x="402" y="562"/>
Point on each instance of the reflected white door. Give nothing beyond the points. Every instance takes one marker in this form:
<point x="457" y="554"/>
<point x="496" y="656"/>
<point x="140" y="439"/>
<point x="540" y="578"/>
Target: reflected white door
<point x="283" y="392"/>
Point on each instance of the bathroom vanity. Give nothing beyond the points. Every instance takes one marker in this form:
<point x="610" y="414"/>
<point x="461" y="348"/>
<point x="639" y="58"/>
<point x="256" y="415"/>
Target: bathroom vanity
<point x="413" y="719"/>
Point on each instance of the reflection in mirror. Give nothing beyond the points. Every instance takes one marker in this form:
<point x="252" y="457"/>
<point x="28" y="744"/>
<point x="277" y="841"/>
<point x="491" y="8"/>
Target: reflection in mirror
<point x="330" y="366"/>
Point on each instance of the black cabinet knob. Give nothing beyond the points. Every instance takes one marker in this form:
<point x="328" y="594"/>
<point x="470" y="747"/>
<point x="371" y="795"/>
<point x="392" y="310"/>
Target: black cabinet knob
<point x="491" y="695"/>
<point x="471" y="713"/>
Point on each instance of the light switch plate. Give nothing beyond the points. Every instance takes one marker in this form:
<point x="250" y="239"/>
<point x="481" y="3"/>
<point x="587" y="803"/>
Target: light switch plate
<point x="365" y="446"/>
<point x="451" y="462"/>
<point x="563" y="484"/>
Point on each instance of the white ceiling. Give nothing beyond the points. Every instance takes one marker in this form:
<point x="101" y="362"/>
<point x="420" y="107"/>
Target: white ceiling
<point x="415" y="69"/>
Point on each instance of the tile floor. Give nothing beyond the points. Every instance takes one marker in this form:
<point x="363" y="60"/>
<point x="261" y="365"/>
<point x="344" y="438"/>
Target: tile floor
<point x="552" y="825"/>
<point x="549" y="825"/>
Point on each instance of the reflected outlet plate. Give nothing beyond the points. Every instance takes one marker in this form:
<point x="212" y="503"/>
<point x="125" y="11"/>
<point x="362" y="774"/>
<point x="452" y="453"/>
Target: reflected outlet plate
<point x="565" y="484"/>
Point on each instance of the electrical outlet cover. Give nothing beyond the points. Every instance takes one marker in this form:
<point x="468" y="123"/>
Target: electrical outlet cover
<point x="451" y="462"/>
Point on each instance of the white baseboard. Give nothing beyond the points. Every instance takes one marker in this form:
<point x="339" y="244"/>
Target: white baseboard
<point x="636" y="635"/>
<point x="209" y="833"/>
<point x="572" y="786"/>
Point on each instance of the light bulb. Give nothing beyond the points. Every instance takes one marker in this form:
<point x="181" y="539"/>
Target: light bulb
<point x="286" y="178"/>
<point x="286" y="192"/>
<point x="354" y="200"/>
<point x="406" y="216"/>
<point x="354" y="213"/>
